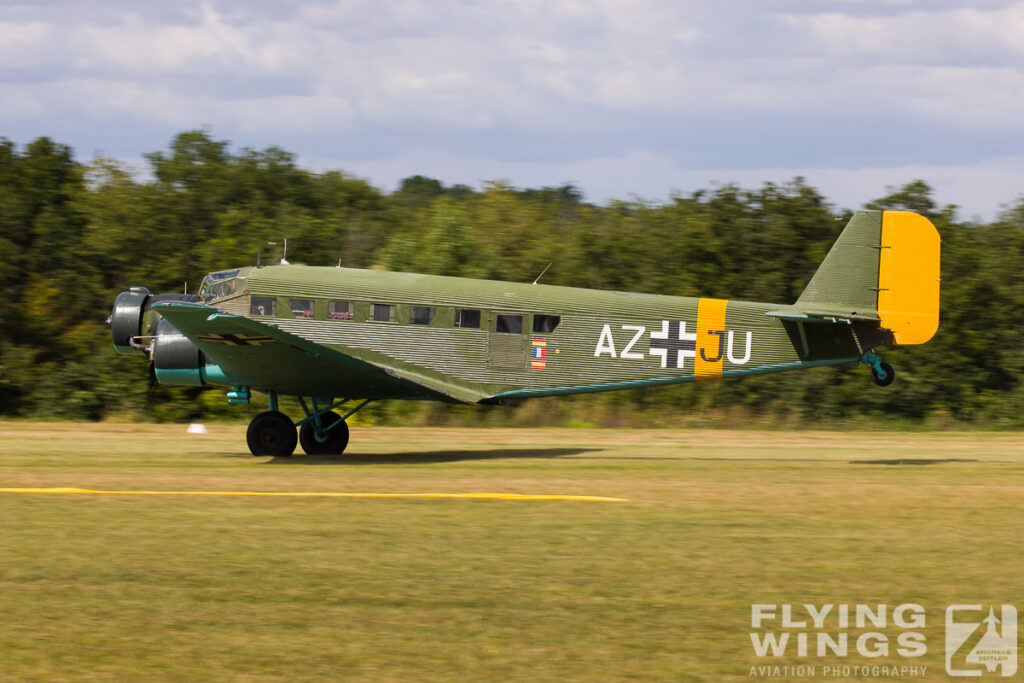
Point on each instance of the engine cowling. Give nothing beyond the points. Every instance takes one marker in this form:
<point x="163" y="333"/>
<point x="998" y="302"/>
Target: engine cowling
<point x="126" y="321"/>
<point x="176" y="360"/>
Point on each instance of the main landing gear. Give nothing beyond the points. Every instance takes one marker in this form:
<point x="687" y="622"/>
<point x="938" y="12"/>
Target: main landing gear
<point x="882" y="373"/>
<point x="271" y="433"/>
<point x="330" y="439"/>
<point x="321" y="432"/>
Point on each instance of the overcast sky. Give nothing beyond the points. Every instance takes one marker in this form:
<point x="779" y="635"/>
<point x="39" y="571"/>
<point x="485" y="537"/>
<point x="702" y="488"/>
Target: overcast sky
<point x="621" y="97"/>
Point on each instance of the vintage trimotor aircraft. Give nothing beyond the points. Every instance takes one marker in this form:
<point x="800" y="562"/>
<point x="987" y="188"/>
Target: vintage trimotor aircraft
<point x="335" y="335"/>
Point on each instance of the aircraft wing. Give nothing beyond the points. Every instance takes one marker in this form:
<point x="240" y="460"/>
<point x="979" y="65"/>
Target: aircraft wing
<point x="257" y="354"/>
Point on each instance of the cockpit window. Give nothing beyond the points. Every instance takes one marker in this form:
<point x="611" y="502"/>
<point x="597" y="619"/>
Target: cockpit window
<point x="216" y="289"/>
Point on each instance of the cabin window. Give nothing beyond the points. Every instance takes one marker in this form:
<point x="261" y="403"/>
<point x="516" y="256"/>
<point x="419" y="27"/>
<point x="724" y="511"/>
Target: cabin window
<point x="510" y="324"/>
<point x="545" y="324"/>
<point x="421" y="315"/>
<point x="383" y="313"/>
<point x="467" y="317"/>
<point x="339" y="310"/>
<point x="262" y="305"/>
<point x="302" y="308"/>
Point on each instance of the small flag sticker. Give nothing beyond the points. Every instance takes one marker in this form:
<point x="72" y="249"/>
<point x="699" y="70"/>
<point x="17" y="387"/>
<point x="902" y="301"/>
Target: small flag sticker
<point x="538" y="353"/>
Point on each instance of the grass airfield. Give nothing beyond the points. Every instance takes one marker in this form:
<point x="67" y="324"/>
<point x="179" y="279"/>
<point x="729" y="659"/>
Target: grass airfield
<point x="656" y="587"/>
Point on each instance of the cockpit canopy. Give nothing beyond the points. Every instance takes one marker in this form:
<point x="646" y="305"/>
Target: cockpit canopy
<point x="219" y="285"/>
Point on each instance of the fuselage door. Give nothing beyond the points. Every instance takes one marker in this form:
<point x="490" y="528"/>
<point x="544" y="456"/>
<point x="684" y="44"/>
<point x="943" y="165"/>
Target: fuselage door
<point x="506" y="349"/>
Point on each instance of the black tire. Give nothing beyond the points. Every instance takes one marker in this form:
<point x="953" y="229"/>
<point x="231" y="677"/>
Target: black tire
<point x="887" y="376"/>
<point x="271" y="433"/>
<point x="337" y="436"/>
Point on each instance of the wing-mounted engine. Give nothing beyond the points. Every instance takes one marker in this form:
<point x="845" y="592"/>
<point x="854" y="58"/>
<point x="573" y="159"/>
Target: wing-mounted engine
<point x="176" y="360"/>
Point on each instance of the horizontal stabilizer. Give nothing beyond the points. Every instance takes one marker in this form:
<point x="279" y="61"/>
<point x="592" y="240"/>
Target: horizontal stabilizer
<point x="820" y="315"/>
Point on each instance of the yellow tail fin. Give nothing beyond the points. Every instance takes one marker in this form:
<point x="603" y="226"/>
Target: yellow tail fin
<point x="908" y="277"/>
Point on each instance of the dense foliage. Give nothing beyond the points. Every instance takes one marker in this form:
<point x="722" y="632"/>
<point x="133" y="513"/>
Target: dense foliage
<point x="73" y="235"/>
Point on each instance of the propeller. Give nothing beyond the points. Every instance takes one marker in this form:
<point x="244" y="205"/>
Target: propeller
<point x="152" y="382"/>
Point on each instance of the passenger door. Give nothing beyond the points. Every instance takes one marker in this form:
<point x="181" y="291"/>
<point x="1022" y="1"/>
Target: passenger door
<point x="507" y="342"/>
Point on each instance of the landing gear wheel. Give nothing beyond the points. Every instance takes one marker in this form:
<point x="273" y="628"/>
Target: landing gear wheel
<point x="885" y="377"/>
<point x="271" y="433"/>
<point x="334" y="440"/>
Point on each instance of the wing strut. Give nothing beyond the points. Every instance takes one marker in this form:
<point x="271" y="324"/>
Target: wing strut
<point x="313" y="416"/>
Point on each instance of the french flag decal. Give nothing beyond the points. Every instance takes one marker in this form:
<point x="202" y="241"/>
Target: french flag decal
<point x="538" y="353"/>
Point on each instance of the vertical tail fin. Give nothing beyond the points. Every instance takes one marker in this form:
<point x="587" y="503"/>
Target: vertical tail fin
<point x="884" y="266"/>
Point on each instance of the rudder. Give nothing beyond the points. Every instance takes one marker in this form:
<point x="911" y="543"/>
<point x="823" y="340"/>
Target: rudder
<point x="908" y="277"/>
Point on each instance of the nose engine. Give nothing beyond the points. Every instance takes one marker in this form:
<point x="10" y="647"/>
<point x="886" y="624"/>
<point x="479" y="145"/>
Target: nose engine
<point x="126" y="321"/>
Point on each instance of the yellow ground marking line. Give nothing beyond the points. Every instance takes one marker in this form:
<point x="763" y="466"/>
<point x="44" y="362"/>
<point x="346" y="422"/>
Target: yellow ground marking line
<point x="321" y="494"/>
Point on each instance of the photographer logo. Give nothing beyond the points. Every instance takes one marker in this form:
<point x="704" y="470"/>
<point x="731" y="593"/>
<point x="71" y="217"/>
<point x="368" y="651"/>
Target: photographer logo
<point x="978" y="642"/>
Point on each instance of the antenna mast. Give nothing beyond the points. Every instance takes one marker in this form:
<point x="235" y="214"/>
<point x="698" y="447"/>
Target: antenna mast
<point x="284" y="254"/>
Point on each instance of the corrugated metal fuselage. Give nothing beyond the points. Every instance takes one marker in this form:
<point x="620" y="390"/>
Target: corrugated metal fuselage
<point x="602" y="340"/>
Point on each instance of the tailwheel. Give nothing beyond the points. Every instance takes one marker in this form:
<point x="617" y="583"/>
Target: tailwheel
<point x="271" y="433"/>
<point x="882" y="374"/>
<point x="330" y="439"/>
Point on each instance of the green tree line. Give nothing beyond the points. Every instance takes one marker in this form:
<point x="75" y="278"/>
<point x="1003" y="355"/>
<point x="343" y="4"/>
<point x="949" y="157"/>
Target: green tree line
<point x="74" y="234"/>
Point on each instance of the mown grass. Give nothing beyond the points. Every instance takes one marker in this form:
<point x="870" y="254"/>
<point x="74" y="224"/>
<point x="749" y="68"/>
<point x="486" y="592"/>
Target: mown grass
<point x="656" y="588"/>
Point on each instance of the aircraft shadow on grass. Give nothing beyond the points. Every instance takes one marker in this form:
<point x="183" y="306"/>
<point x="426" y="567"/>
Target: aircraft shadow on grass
<point x="899" y="461"/>
<point x="427" y="457"/>
<point x="912" y="461"/>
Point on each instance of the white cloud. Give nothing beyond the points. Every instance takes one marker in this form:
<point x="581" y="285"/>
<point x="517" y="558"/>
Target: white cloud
<point x="921" y="36"/>
<point x="650" y="90"/>
<point x="463" y="63"/>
